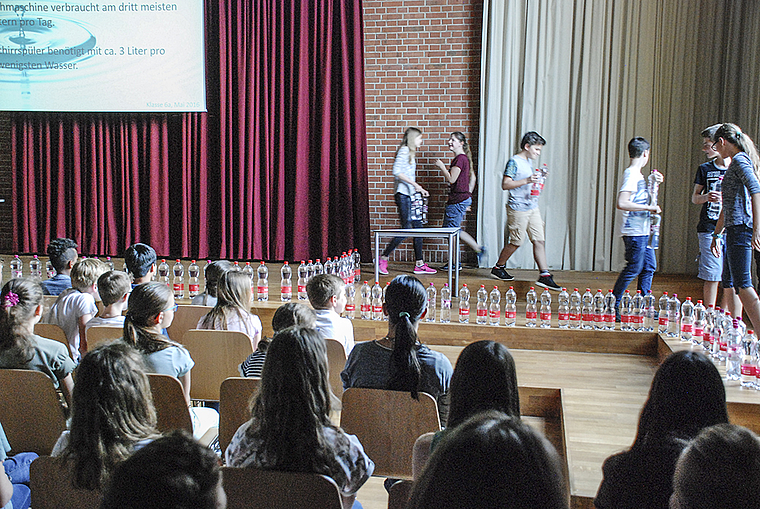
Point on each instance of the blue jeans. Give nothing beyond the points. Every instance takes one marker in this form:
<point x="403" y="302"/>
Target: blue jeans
<point x="737" y="262"/>
<point x="404" y="204"/>
<point x="455" y="213"/>
<point x="17" y="468"/>
<point x="640" y="261"/>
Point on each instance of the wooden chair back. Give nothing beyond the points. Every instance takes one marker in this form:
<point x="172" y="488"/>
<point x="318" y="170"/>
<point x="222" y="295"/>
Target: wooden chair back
<point x="399" y="493"/>
<point x="51" y="331"/>
<point x="744" y="414"/>
<point x="217" y="355"/>
<point x="169" y="401"/>
<point x="234" y="395"/>
<point x="336" y="360"/>
<point x="185" y="318"/>
<point x="252" y="488"/>
<point x="100" y="334"/>
<point x="51" y="486"/>
<point x="387" y="424"/>
<point x="30" y="411"/>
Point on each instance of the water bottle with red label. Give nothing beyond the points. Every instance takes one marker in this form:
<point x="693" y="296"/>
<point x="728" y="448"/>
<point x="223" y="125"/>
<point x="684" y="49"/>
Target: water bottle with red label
<point x="464" y="304"/>
<point x="366" y="304"/>
<point x="531" y="311"/>
<point x="494" y="308"/>
<point x="510" y="307"/>
<point x="193" y="279"/>
<point x="286" y="283"/>
<point x="179" y="283"/>
<point x="262" y="285"/>
<point x="545" y="313"/>
<point x="482" y="306"/>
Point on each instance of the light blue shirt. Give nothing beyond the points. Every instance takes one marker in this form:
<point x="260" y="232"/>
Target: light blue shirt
<point x="520" y="200"/>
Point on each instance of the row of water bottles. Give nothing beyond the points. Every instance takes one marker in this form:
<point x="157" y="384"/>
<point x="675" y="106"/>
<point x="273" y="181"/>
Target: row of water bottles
<point x="347" y="267"/>
<point x="16" y="267"/>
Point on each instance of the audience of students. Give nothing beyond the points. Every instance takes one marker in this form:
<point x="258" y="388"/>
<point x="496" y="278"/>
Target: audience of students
<point x="233" y="308"/>
<point x="20" y="347"/>
<point x="287" y="315"/>
<point x="63" y="255"/>
<point x="112" y="414"/>
<point x="327" y="295"/>
<point x="151" y="309"/>
<point x="290" y="427"/>
<point x="214" y="271"/>
<point x="492" y="460"/>
<point x="398" y="361"/>
<point x="174" y="472"/>
<point x="687" y="395"/>
<point x="76" y="306"/>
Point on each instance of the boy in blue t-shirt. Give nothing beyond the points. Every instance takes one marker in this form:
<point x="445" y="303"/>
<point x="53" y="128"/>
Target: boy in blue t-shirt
<point x="523" y="216"/>
<point x="633" y="201"/>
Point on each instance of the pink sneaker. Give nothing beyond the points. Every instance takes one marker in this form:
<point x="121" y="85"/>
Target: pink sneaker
<point x="424" y="269"/>
<point x="382" y="266"/>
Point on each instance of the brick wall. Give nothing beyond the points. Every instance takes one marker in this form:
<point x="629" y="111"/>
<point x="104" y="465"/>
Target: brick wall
<point x="422" y="69"/>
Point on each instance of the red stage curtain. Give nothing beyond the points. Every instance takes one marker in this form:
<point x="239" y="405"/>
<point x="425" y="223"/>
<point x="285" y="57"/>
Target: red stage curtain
<point x="275" y="170"/>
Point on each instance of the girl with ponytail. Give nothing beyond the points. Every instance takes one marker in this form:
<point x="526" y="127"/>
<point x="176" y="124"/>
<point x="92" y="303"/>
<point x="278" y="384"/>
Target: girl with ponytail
<point x="740" y="215"/>
<point x="460" y="176"/>
<point x="399" y="362"/>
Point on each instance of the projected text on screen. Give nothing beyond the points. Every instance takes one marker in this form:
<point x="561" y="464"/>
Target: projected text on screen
<point x="93" y="56"/>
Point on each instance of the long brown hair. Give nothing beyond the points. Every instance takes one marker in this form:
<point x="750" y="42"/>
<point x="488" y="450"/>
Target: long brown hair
<point x="410" y="135"/>
<point x="233" y="296"/>
<point x="733" y="134"/>
<point x="19" y="300"/>
<point x="146" y="301"/>
<point x="465" y="146"/>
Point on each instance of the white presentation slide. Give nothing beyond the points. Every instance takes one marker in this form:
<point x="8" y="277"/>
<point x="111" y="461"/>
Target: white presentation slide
<point x="69" y="56"/>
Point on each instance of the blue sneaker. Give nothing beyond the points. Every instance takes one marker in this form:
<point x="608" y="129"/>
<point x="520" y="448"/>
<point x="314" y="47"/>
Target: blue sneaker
<point x="481" y="255"/>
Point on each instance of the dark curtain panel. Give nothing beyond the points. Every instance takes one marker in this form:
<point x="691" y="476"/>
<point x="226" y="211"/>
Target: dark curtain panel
<point x="275" y="170"/>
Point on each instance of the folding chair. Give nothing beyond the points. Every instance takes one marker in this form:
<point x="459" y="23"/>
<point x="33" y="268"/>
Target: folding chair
<point x="336" y="360"/>
<point x="252" y="488"/>
<point x="51" y="486"/>
<point x="185" y="318"/>
<point x="100" y="334"/>
<point x="217" y="355"/>
<point x="234" y="395"/>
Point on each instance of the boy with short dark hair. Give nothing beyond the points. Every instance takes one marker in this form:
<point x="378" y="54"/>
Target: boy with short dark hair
<point x="114" y="287"/>
<point x="63" y="255"/>
<point x="633" y="200"/>
<point x="76" y="306"/>
<point x="523" y="215"/>
<point x="141" y="263"/>
<point x="327" y="295"/>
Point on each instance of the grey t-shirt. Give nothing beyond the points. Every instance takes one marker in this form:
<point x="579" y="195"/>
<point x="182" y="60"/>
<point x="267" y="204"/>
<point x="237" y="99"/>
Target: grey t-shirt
<point x="739" y="183"/>
<point x="520" y="199"/>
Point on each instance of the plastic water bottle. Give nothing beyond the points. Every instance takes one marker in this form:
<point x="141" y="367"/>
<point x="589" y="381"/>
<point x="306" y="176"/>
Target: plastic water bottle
<point x="650" y="312"/>
<point x="575" y="309"/>
<point x="482" y="306"/>
<point x="349" y="277"/>
<point x="687" y="320"/>
<point x="357" y="259"/>
<point x="17" y="267"/>
<point x="178" y="283"/>
<point x="587" y="309"/>
<point x="445" y="303"/>
<point x="350" y="301"/>
<point x="262" y="284"/>
<point x="346" y="268"/>
<point x="377" y="302"/>
<point x="734" y="358"/>
<point x="464" y="304"/>
<point x="193" y="279"/>
<point x="531" y="310"/>
<point x="626" y="310"/>
<point x="674" y="308"/>
<point x="318" y="267"/>
<point x="35" y="269"/>
<point x="302" y="280"/>
<point x="563" y="309"/>
<point x="510" y="307"/>
<point x="662" y="316"/>
<point x="637" y="314"/>
<point x="366" y="304"/>
<point x="708" y="328"/>
<point x="109" y="263"/>
<point x="545" y="313"/>
<point x="431" y="296"/>
<point x="494" y="308"/>
<point x="329" y="267"/>
<point x="163" y="273"/>
<point x="599" y="310"/>
<point x="309" y="270"/>
<point x="49" y="269"/>
<point x="286" y="283"/>
<point x="726" y="329"/>
<point x="236" y="266"/>
<point x="609" y="311"/>
<point x="749" y="360"/>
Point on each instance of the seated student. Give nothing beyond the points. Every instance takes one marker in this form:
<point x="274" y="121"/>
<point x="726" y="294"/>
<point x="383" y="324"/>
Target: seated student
<point x="214" y="271"/>
<point x="174" y="471"/>
<point x="327" y="295"/>
<point x="63" y="256"/>
<point x="290" y="427"/>
<point x="151" y="310"/>
<point x="76" y="306"/>
<point x="399" y="362"/>
<point x="140" y="260"/>
<point x="20" y="348"/>
<point x="114" y="287"/>
<point x="687" y="395"/>
<point x="492" y="460"/>
<point x="288" y="315"/>
<point x="111" y="416"/>
<point x="233" y="308"/>
<point x="719" y="469"/>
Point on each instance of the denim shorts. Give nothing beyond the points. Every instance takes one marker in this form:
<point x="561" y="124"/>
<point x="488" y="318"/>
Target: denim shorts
<point x="455" y="213"/>
<point x="710" y="266"/>
<point x="737" y="265"/>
